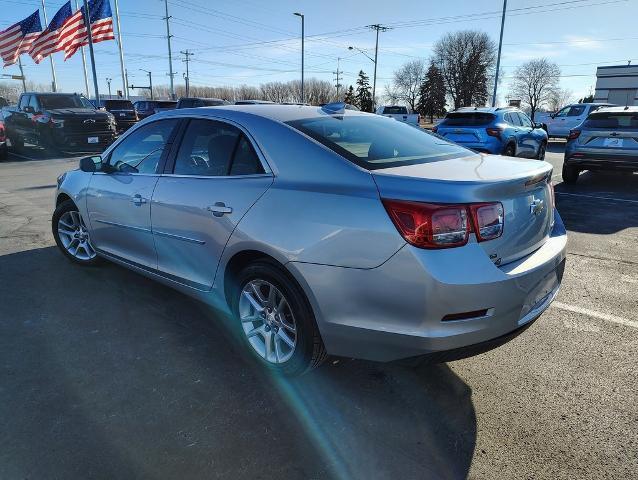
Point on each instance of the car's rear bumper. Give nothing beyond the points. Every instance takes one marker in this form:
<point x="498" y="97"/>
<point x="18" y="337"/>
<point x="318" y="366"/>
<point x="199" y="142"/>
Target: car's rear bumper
<point x="397" y="310"/>
<point x="602" y="161"/>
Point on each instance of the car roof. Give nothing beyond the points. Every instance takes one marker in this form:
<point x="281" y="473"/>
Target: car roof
<point x="274" y="111"/>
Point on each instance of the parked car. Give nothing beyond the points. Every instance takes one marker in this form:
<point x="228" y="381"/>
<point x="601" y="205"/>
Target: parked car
<point x="254" y="102"/>
<point x="193" y="102"/>
<point x="560" y="123"/>
<point x="502" y="131"/>
<point x="123" y="111"/>
<point x="606" y="140"/>
<point x="146" y="108"/>
<point x="3" y="140"/>
<point x="58" y="121"/>
<point x="399" y="113"/>
<point x="322" y="231"/>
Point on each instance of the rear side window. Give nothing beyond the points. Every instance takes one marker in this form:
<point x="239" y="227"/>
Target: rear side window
<point x="189" y="103"/>
<point x="468" y="119"/>
<point x="395" y="111"/>
<point x="576" y="111"/>
<point x="614" y="121"/>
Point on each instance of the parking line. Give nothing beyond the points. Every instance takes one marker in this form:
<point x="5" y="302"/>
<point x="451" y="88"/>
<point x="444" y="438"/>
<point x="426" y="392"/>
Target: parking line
<point x="594" y="314"/>
<point x="598" y="197"/>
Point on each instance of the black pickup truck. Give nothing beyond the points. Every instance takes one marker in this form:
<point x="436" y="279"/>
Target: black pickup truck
<point x="124" y="112"/>
<point x="59" y="122"/>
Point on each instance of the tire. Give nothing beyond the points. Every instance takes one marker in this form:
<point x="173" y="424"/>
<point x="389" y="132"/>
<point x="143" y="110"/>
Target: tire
<point x="76" y="244"/>
<point x="570" y="174"/>
<point x="276" y="322"/>
<point x="541" y="151"/>
<point x="510" y="150"/>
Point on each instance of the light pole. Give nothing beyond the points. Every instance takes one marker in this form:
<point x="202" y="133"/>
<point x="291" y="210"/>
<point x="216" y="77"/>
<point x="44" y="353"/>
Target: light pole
<point x="302" y="53"/>
<point x="498" y="58"/>
<point x="150" y="81"/>
<point x="108" y="82"/>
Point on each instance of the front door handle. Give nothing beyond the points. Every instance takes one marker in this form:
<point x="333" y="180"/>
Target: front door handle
<point x="219" y="209"/>
<point x="138" y="200"/>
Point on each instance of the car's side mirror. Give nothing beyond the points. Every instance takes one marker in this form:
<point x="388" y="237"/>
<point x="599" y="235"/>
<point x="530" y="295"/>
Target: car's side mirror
<point x="91" y="164"/>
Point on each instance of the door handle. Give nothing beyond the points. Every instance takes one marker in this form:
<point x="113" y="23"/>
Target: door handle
<point x="219" y="209"/>
<point x="138" y="200"/>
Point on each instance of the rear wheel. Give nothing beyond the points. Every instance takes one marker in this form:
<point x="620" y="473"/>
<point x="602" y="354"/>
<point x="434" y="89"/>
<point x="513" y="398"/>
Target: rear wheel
<point x="541" y="151"/>
<point x="277" y="324"/>
<point x="510" y="150"/>
<point x="570" y="174"/>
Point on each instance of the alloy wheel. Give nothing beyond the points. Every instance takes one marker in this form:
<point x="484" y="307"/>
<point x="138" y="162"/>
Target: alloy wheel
<point x="267" y="321"/>
<point x="74" y="236"/>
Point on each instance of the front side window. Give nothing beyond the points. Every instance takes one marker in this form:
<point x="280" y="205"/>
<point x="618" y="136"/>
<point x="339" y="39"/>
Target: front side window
<point x="33" y="103"/>
<point x="374" y="142"/>
<point x="24" y="101"/>
<point x="215" y="149"/>
<point x="563" y="112"/>
<point x="141" y="151"/>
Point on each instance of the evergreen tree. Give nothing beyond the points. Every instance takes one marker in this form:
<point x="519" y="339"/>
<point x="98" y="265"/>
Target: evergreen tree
<point x="364" y="95"/>
<point x="349" y="96"/>
<point x="432" y="94"/>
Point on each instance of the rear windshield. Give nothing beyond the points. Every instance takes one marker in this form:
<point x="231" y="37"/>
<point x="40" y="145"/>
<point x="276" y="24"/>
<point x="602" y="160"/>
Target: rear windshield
<point x="395" y="111"/>
<point x="615" y="121"/>
<point x="118" y="104"/>
<point x="467" y="119"/>
<point x="374" y="142"/>
<point x="165" y="104"/>
<point x="51" y="102"/>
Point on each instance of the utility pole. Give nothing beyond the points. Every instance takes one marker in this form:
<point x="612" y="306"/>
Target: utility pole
<point x="54" y="82"/>
<point x="378" y="28"/>
<point x="170" y="58"/>
<point x="108" y="82"/>
<point x="338" y="78"/>
<point x="87" y="23"/>
<point x="187" y="78"/>
<point x="301" y="15"/>
<point x="498" y="58"/>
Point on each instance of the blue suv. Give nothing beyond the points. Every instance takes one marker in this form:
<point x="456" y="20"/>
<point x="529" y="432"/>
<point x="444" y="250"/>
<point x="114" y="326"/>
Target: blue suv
<point x="501" y="131"/>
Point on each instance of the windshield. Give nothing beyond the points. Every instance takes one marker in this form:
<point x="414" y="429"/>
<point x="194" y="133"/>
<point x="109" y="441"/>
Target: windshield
<point x="615" y="120"/>
<point x="51" y="102"/>
<point x="467" y="119"/>
<point x="374" y="142"/>
<point x="118" y="104"/>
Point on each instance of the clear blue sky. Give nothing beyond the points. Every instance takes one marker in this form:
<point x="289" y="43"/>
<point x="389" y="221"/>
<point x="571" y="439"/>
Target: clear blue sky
<point x="227" y="37"/>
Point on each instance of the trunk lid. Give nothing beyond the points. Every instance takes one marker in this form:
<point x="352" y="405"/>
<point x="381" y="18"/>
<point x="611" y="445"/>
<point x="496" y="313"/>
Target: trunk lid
<point x="522" y="186"/>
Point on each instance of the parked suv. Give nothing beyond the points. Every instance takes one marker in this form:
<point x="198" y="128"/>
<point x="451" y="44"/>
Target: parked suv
<point x="123" y="111"/>
<point x="146" y="108"/>
<point x="505" y="131"/>
<point x="560" y="123"/>
<point x="606" y="140"/>
<point x="59" y="121"/>
<point x="195" y="102"/>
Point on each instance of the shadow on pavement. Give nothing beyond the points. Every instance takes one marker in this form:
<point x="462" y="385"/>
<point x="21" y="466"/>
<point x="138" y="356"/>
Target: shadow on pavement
<point x="600" y="202"/>
<point x="31" y="153"/>
<point x="106" y="374"/>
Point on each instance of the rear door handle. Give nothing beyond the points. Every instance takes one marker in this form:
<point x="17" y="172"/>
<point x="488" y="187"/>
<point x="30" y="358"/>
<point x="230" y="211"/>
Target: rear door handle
<point x="219" y="209"/>
<point x="138" y="200"/>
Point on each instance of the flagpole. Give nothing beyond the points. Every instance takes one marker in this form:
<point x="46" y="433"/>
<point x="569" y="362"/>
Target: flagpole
<point x="86" y="75"/>
<point x="87" y="23"/>
<point x="46" y="24"/>
<point x="119" y="44"/>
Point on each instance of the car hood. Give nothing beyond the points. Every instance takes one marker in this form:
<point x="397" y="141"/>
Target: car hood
<point x="78" y="112"/>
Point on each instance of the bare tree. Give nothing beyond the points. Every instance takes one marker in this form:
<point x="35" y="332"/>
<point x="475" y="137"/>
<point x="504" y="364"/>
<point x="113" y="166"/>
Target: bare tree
<point x="535" y="83"/>
<point x="559" y="98"/>
<point x="466" y="60"/>
<point x="407" y="82"/>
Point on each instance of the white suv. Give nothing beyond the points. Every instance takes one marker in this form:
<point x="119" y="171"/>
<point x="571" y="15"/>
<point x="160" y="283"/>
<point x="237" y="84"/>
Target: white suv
<point x="560" y="123"/>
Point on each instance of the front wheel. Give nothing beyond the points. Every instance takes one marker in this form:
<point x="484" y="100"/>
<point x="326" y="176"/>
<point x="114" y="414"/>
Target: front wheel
<point x="277" y="324"/>
<point x="570" y="174"/>
<point x="71" y="234"/>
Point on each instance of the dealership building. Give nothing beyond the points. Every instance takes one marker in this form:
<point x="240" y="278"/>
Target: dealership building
<point x="617" y="85"/>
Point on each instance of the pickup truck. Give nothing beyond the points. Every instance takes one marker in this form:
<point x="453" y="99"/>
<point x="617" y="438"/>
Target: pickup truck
<point x="123" y="111"/>
<point x="58" y="122"/>
<point x="399" y="113"/>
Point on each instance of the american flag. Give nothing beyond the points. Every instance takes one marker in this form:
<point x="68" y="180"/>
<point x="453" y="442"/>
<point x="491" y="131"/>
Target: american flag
<point x="73" y="33"/>
<point x="49" y="40"/>
<point x="18" y="38"/>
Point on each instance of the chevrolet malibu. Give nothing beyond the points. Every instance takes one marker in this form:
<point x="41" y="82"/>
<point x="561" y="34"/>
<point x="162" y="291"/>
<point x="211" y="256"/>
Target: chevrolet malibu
<point x="323" y="231"/>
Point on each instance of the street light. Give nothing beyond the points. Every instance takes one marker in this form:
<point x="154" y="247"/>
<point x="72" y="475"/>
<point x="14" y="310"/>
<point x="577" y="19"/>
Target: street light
<point x="300" y="15"/>
<point x="150" y="81"/>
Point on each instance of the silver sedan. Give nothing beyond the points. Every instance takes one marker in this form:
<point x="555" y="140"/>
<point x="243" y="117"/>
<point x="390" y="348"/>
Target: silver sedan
<point x="323" y="231"/>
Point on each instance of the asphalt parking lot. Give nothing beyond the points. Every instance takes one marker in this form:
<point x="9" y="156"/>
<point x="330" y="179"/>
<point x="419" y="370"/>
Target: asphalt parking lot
<point x="106" y="374"/>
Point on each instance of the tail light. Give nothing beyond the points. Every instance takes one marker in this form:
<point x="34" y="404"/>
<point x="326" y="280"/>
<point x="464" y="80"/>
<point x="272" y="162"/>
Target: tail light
<point x="573" y="135"/>
<point x="494" y="132"/>
<point x="427" y="225"/>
